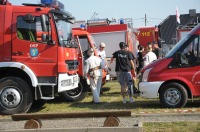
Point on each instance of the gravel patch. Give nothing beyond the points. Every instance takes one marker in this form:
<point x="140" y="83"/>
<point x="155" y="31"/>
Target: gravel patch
<point x="8" y="124"/>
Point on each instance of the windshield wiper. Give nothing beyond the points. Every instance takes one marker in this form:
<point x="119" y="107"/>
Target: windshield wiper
<point x="70" y="43"/>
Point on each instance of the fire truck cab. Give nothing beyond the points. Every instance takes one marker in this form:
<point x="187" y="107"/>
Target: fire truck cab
<point x="175" y="78"/>
<point x="38" y="56"/>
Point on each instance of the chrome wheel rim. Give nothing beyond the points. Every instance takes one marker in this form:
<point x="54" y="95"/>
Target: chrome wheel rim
<point x="172" y="96"/>
<point x="10" y="97"/>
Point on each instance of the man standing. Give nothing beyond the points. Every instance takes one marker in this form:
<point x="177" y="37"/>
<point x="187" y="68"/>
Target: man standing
<point x="150" y="56"/>
<point x="94" y="70"/>
<point x="102" y="55"/>
<point x="124" y="62"/>
<point x="157" y="50"/>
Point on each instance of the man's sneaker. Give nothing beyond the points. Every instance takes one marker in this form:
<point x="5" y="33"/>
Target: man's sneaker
<point x="124" y="101"/>
<point x="131" y="100"/>
<point x="135" y="95"/>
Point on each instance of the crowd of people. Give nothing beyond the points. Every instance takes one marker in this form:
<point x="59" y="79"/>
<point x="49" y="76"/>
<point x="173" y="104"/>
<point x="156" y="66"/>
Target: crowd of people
<point x="126" y="65"/>
<point x="153" y="52"/>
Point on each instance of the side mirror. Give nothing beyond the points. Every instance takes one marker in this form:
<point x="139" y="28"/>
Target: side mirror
<point x="44" y="20"/>
<point x="29" y="18"/>
<point x="46" y="38"/>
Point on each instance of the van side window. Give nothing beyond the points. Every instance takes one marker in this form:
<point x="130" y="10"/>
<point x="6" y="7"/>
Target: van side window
<point x="30" y="31"/>
<point x="190" y="54"/>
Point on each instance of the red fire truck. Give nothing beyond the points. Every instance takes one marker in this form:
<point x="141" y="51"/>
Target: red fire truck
<point x="85" y="41"/>
<point x="112" y="34"/>
<point x="38" y="57"/>
<point x="175" y="78"/>
<point x="182" y="31"/>
<point x="146" y="35"/>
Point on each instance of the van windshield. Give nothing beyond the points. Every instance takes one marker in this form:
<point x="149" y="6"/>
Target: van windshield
<point x="177" y="46"/>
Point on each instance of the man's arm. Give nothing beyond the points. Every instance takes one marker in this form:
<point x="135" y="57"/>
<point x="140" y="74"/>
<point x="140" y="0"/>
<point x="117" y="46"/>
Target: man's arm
<point x="86" y="68"/>
<point x="111" y="60"/>
<point x="133" y="66"/>
<point x="107" y="64"/>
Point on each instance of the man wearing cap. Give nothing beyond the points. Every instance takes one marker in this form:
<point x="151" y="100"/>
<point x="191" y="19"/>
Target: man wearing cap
<point x="124" y="62"/>
<point x="102" y="54"/>
<point x="93" y="68"/>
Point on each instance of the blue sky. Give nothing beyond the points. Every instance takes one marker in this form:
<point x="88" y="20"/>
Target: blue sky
<point x="155" y="10"/>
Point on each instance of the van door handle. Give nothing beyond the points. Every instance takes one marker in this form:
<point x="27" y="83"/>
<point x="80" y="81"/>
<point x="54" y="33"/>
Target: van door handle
<point x="17" y="53"/>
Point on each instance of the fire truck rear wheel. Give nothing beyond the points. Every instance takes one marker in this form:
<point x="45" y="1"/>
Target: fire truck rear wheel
<point x="15" y="96"/>
<point x="173" y="95"/>
<point x="77" y="94"/>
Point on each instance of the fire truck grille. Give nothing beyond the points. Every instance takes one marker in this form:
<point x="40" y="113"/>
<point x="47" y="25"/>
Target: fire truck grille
<point x="72" y="64"/>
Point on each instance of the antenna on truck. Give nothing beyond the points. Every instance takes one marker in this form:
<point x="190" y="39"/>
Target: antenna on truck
<point x="94" y="15"/>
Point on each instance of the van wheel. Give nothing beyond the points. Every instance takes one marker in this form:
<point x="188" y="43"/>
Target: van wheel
<point x="76" y="94"/>
<point x="173" y="95"/>
<point x="15" y="96"/>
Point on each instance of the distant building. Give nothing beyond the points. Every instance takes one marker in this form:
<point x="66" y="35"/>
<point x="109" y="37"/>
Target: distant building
<point x="169" y="25"/>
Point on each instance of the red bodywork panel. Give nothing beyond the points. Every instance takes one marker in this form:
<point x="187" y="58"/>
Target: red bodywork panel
<point x="108" y="28"/>
<point x="162" y="72"/>
<point x="146" y="35"/>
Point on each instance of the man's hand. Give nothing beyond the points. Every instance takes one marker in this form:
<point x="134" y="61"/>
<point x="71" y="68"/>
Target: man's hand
<point x="134" y="72"/>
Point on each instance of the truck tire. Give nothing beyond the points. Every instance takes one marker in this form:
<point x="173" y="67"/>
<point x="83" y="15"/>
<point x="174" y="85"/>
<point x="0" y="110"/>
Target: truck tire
<point x="77" y="94"/>
<point x="15" y="96"/>
<point x="173" y="95"/>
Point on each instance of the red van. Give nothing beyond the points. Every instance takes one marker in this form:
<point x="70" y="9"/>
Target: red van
<point x="175" y="78"/>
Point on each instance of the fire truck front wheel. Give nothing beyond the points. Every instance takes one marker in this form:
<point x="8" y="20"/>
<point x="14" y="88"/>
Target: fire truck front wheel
<point x="15" y="96"/>
<point x="76" y="94"/>
<point x="173" y="95"/>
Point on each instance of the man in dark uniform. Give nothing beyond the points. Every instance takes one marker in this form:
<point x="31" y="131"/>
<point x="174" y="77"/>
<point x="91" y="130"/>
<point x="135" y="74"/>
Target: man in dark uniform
<point x="157" y="50"/>
<point x="124" y="64"/>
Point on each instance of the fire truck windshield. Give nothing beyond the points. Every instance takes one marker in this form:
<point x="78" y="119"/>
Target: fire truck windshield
<point x="63" y="27"/>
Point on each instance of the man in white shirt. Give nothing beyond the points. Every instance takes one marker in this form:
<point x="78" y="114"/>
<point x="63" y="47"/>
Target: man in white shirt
<point x="150" y="56"/>
<point x="93" y="68"/>
<point x="102" y="54"/>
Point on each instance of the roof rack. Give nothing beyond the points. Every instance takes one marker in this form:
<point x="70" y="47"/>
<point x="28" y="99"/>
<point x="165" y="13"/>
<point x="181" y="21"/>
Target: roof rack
<point x="29" y="4"/>
<point x="188" y="26"/>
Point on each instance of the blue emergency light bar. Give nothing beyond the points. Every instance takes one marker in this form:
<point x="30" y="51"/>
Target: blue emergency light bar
<point x="53" y="3"/>
<point x="46" y="2"/>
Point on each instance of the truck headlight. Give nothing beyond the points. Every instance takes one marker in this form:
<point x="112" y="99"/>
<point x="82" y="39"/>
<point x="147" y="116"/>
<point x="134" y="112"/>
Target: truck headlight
<point x="146" y="75"/>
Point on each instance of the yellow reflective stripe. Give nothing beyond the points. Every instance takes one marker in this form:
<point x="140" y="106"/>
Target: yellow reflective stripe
<point x="31" y="36"/>
<point x="19" y="34"/>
